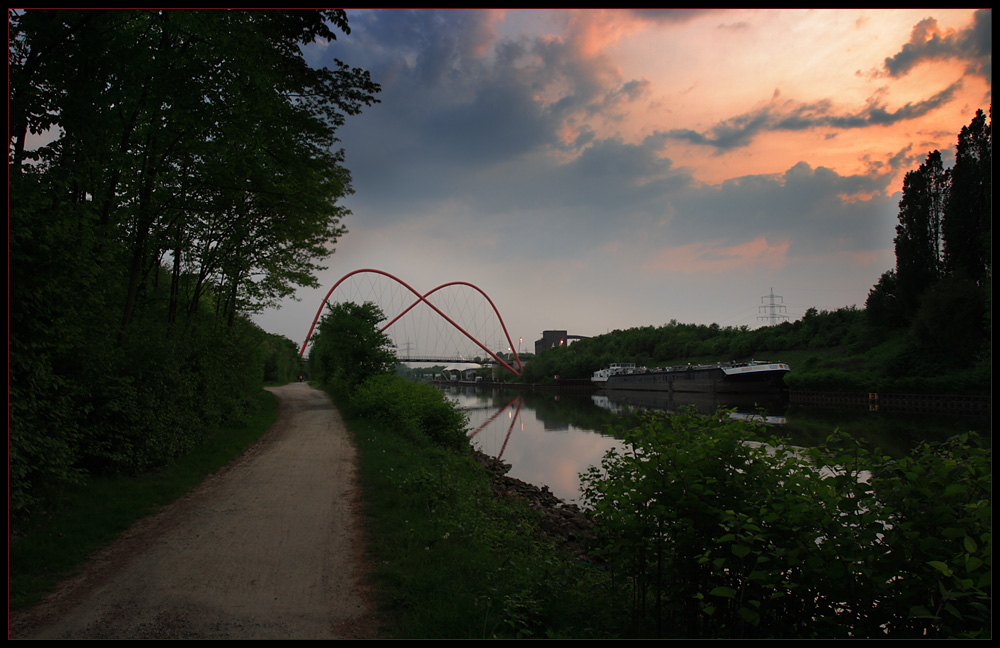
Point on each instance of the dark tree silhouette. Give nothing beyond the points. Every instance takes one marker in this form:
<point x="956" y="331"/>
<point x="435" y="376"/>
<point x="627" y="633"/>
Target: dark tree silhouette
<point x="967" y="226"/>
<point x="918" y="234"/>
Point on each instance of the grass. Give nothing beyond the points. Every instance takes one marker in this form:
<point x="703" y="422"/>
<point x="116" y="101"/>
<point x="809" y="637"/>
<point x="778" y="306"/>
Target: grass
<point x="51" y="547"/>
<point x="452" y="561"/>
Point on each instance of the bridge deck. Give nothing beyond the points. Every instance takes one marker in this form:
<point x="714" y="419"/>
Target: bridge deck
<point x="486" y="360"/>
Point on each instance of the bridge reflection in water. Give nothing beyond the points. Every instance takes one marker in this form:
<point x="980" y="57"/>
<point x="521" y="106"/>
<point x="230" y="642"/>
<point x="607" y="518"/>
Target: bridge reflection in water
<point x="549" y="437"/>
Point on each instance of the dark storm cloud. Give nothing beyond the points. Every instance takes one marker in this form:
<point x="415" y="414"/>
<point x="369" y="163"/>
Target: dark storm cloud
<point x="973" y="45"/>
<point x="610" y="181"/>
<point x="460" y="105"/>
<point x="616" y="191"/>
<point x="670" y="15"/>
<point x="741" y="131"/>
<point x="500" y="121"/>
<point x="818" y="210"/>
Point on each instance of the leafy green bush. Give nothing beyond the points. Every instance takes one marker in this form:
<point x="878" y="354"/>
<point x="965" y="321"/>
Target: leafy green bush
<point x="414" y="409"/>
<point x="938" y="507"/>
<point x="718" y="535"/>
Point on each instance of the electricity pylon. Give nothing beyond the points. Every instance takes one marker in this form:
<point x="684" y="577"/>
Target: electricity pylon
<point x="772" y="309"/>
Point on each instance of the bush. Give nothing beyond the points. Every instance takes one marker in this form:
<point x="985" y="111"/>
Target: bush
<point x="718" y="535"/>
<point x="414" y="409"/>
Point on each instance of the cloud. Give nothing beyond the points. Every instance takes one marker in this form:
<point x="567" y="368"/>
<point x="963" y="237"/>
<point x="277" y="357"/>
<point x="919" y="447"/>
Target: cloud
<point x="592" y="31"/>
<point x="816" y="210"/>
<point x="929" y="42"/>
<point x="788" y="116"/>
<point x="715" y="257"/>
<point x="670" y="16"/>
<point x="455" y="117"/>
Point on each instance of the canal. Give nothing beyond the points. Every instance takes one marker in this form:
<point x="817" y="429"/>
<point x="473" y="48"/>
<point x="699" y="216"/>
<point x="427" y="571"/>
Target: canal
<point x="549" y="437"/>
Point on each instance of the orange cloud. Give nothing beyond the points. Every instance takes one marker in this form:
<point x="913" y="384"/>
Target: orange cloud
<point x="594" y="30"/>
<point x="712" y="257"/>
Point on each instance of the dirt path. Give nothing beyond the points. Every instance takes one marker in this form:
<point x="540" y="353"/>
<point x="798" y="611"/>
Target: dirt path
<point x="270" y="547"/>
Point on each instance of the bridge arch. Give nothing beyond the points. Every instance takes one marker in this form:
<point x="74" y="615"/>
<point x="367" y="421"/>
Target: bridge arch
<point x="423" y="299"/>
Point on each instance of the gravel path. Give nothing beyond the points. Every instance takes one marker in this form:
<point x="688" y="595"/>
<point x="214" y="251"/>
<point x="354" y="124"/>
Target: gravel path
<point x="269" y="547"/>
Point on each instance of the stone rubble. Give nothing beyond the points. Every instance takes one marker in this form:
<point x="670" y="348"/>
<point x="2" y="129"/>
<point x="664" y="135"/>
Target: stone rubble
<point x="566" y="523"/>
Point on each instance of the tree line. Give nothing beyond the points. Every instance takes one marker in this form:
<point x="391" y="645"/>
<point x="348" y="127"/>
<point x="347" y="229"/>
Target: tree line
<point x="188" y="175"/>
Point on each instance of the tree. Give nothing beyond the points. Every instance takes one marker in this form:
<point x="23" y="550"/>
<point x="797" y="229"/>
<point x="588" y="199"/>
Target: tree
<point x="213" y="149"/>
<point x="192" y="176"/>
<point x="349" y="347"/>
<point x="918" y="234"/>
<point x="952" y="324"/>
<point x="882" y="306"/>
<point x="967" y="226"/>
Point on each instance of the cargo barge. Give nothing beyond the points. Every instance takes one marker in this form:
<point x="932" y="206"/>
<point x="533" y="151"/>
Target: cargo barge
<point x="722" y="378"/>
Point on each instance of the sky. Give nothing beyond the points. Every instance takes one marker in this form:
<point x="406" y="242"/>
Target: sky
<point x="593" y="170"/>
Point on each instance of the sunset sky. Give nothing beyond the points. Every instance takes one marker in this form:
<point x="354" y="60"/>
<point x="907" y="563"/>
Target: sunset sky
<point x="594" y="170"/>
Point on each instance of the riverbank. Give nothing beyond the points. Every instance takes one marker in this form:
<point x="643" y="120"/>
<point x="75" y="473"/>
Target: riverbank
<point x="468" y="542"/>
<point x="461" y="550"/>
<point x="565" y="523"/>
<point x="960" y="405"/>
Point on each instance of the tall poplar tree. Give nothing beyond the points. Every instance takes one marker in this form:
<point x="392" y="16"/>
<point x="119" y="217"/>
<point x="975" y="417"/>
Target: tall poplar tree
<point x="918" y="234"/>
<point x="967" y="226"/>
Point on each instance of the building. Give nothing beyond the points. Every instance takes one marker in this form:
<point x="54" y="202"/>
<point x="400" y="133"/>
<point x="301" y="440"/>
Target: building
<point x="552" y="339"/>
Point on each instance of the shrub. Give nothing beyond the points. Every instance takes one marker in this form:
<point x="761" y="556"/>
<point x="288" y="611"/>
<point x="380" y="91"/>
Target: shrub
<point x="412" y="408"/>
<point x="717" y="534"/>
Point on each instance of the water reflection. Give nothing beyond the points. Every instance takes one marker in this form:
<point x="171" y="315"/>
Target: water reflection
<point x="550" y="437"/>
<point x="619" y="401"/>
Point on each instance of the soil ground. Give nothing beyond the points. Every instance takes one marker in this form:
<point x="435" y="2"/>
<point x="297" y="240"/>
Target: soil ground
<point x="269" y="547"/>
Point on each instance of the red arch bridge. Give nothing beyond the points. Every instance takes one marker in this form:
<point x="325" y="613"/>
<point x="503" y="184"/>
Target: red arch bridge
<point x="452" y="323"/>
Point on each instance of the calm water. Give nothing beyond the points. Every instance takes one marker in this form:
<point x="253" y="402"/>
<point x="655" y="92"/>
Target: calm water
<point x="550" y="437"/>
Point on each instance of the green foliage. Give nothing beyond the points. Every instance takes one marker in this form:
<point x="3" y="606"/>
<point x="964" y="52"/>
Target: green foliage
<point x="940" y="286"/>
<point x="282" y="362"/>
<point x="937" y="503"/>
<point x="349" y="347"/>
<point x="967" y="227"/>
<point x="197" y="183"/>
<point x="713" y="534"/>
<point x="952" y="322"/>
<point x="883" y="306"/>
<point x="125" y="408"/>
<point x="675" y="343"/>
<point x="215" y="148"/>
<point x="918" y="234"/>
<point x="411" y="409"/>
